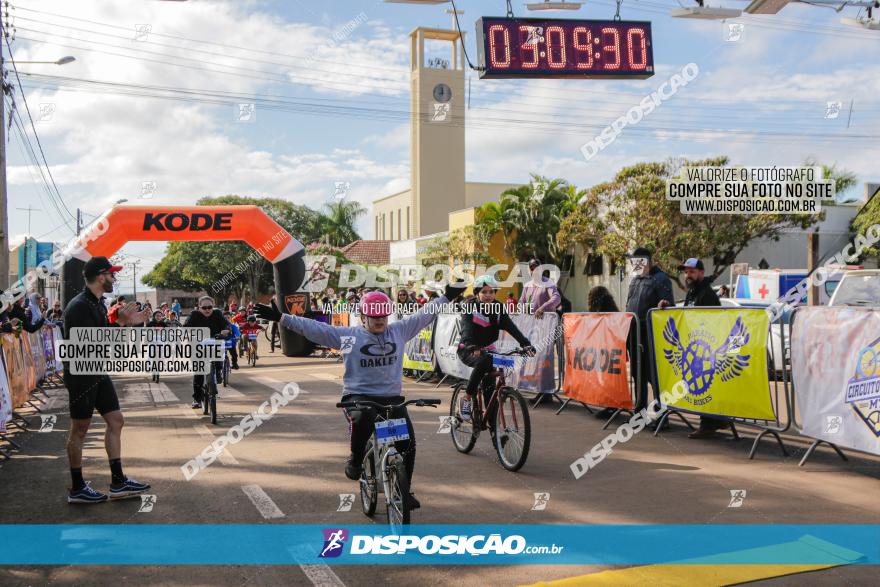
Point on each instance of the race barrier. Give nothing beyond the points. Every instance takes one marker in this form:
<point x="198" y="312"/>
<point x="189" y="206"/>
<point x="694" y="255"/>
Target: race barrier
<point x="418" y="355"/>
<point x="723" y="356"/>
<point x="28" y="362"/>
<point x="598" y="362"/>
<point x="835" y="357"/>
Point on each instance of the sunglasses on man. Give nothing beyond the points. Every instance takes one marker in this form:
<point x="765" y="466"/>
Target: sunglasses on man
<point x="206" y="307"/>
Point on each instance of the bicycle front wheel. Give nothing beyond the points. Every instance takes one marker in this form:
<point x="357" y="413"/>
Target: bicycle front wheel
<point x="513" y="429"/>
<point x="398" y="498"/>
<point x="368" y="484"/>
<point x="226" y="372"/>
<point x="212" y="400"/>
<point x="464" y="435"/>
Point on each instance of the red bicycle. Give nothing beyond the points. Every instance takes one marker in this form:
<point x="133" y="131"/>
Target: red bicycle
<point x="513" y="428"/>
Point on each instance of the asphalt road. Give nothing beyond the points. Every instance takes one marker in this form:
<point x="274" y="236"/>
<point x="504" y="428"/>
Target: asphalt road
<point x="290" y="471"/>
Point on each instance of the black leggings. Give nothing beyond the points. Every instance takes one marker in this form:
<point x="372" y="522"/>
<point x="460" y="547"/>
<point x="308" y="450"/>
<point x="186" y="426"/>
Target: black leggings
<point x="361" y="422"/>
<point x="482" y="367"/>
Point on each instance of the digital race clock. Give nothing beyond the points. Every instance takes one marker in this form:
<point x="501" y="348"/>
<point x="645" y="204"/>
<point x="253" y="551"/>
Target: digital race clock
<point x="547" y="48"/>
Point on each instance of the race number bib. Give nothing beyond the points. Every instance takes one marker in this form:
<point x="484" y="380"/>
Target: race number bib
<point x="391" y="431"/>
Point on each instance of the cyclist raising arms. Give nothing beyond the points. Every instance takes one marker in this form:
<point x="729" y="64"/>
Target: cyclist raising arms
<point x="479" y="331"/>
<point x="373" y="357"/>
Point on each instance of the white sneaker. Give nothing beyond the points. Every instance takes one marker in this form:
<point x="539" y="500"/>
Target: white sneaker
<point x="465" y="410"/>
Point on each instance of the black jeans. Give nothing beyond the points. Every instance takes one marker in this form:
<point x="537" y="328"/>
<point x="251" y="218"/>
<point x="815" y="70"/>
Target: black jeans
<point x="199" y="381"/>
<point x="643" y="364"/>
<point x="361" y="423"/>
<point x="482" y="368"/>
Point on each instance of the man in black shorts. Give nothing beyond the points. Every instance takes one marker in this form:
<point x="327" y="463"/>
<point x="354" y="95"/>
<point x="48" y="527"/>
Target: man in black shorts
<point x="91" y="392"/>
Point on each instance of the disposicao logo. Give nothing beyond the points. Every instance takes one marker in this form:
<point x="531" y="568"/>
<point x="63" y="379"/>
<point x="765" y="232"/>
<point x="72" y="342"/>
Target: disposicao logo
<point x="334" y="541"/>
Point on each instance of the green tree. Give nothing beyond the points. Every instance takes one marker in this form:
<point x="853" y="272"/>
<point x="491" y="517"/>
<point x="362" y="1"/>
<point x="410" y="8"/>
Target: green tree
<point x="529" y="217"/>
<point x="868" y="216"/>
<point x="631" y="210"/>
<point x="338" y="222"/>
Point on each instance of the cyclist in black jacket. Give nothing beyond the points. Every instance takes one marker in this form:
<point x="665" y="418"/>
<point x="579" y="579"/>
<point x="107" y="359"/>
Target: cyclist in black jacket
<point x="205" y="315"/>
<point x="479" y="331"/>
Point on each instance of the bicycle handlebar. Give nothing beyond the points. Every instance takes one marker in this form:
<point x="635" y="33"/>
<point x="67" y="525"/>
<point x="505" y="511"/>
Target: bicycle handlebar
<point x="421" y="403"/>
<point x="517" y="351"/>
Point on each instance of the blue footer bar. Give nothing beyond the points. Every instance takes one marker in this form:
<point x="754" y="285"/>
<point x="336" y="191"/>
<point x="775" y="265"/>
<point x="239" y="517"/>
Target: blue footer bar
<point x="278" y="544"/>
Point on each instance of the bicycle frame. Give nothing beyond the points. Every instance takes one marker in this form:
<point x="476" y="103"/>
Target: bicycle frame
<point x="497" y="374"/>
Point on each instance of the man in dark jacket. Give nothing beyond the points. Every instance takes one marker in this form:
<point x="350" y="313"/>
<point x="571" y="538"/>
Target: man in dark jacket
<point x="206" y="315"/>
<point x="649" y="288"/>
<point x="700" y="293"/>
<point x="96" y="392"/>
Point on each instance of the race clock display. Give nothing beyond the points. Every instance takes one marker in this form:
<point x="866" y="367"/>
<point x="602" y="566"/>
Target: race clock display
<point x="563" y="48"/>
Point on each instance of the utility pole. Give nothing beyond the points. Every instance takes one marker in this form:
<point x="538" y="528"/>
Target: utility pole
<point x="78" y="221"/>
<point x="4" y="221"/>
<point x="134" y="278"/>
<point x="30" y="209"/>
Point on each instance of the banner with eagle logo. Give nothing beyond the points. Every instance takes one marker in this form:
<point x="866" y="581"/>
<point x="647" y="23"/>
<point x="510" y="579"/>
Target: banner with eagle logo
<point x="721" y="355"/>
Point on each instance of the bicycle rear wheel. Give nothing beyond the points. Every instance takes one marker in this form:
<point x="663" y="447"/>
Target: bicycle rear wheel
<point x="398" y="499"/>
<point x="464" y="434"/>
<point x="369" y="492"/>
<point x="513" y="429"/>
<point x="206" y="396"/>
<point x="226" y="372"/>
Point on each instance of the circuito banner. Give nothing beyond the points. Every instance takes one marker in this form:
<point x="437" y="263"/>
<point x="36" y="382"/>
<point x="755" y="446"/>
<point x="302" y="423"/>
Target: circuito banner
<point x="721" y="355"/>
<point x="835" y="364"/>
<point x="596" y="366"/>
<point x="418" y="354"/>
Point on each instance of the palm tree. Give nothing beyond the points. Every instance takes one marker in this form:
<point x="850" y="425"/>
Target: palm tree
<point x="338" y="222"/>
<point x="529" y="217"/>
<point x="843" y="179"/>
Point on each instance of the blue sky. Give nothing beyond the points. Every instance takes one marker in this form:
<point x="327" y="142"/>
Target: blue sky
<point x="334" y="107"/>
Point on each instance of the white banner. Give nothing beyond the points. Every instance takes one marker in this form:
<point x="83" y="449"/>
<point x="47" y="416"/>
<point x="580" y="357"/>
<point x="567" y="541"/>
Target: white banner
<point x="446" y="336"/>
<point x="534" y="374"/>
<point x="835" y="363"/>
<point x="537" y="374"/>
<point x="5" y="396"/>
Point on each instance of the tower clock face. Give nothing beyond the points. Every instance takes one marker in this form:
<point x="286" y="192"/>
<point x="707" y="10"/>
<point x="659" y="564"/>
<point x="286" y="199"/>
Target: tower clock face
<point x="442" y="93"/>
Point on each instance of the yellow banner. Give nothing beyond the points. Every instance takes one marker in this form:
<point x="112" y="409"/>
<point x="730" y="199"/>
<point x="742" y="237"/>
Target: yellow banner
<point x="720" y="354"/>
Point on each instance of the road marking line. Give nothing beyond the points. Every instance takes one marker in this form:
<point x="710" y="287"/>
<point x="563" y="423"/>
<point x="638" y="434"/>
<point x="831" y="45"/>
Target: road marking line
<point x="321" y="575"/>
<point x="274" y="384"/>
<point x="189" y="411"/>
<point x="262" y="502"/>
<point x="228" y="392"/>
<point x="162" y="394"/>
<point x="225" y="457"/>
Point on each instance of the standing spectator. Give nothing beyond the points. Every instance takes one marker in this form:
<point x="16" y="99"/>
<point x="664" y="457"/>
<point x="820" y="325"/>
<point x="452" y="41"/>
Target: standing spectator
<point x="700" y="293"/>
<point x="158" y="320"/>
<point x="175" y="307"/>
<point x="599" y="299"/>
<point x="55" y="313"/>
<point x="90" y="392"/>
<point x="540" y="294"/>
<point x="723" y="292"/>
<point x="114" y="309"/>
<point x="649" y="288"/>
<point x="510" y="303"/>
<point x="173" y="320"/>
